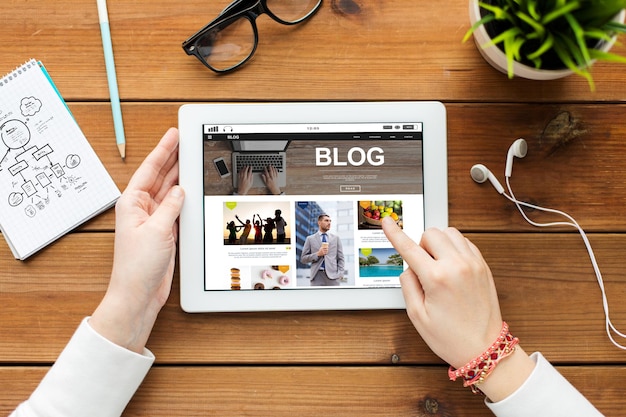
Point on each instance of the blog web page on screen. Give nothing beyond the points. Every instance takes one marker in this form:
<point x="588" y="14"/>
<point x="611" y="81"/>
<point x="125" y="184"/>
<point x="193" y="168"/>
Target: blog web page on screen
<point x="309" y="217"/>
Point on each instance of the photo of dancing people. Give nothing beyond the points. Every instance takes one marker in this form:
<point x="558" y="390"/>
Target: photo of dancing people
<point x="256" y="223"/>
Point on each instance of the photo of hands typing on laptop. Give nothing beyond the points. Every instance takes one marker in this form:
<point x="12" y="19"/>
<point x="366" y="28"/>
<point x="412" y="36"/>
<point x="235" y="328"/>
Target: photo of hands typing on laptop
<point x="294" y="206"/>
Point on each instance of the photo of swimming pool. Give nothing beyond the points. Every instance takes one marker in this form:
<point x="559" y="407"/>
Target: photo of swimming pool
<point x="379" y="263"/>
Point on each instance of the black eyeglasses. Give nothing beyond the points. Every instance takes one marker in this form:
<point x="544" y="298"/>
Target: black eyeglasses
<point x="231" y="39"/>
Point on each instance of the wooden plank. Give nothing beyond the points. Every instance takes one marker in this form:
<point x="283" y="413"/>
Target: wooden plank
<point x="574" y="163"/>
<point x="351" y="50"/>
<point x="546" y="286"/>
<point x="44" y="298"/>
<point x="356" y="50"/>
<point x="547" y="290"/>
<point x="574" y="160"/>
<point x="313" y="391"/>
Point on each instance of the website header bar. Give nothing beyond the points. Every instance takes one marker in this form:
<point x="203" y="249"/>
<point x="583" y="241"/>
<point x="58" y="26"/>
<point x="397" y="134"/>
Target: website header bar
<point x="315" y="128"/>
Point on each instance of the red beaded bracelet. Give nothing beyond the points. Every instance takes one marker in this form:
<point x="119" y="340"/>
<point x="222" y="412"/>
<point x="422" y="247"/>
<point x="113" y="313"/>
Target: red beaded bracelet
<point x="476" y="370"/>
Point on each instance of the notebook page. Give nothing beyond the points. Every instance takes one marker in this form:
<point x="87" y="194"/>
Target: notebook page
<point x="51" y="180"/>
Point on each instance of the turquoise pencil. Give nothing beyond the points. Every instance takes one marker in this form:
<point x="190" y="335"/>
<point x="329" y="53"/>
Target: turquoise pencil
<point x="111" y="77"/>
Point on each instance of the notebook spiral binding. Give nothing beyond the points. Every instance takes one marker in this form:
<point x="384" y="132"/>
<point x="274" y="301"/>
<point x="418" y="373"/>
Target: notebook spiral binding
<point x="17" y="72"/>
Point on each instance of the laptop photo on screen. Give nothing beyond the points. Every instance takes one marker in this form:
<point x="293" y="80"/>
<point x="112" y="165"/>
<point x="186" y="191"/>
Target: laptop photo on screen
<point x="258" y="155"/>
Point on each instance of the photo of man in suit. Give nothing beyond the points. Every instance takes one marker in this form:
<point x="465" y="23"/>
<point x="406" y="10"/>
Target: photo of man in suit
<point x="323" y="250"/>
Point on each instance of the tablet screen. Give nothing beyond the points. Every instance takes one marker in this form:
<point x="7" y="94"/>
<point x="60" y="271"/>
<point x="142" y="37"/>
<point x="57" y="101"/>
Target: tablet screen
<point x="300" y="206"/>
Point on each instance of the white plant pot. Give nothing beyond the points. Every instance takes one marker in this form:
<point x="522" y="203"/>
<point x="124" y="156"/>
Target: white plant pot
<point x="494" y="55"/>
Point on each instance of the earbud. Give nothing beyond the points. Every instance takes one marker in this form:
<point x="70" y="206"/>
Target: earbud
<point x="481" y="173"/>
<point x="517" y="149"/>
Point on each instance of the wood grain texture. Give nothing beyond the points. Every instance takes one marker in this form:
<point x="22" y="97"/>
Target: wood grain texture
<point x="574" y="161"/>
<point x="351" y="50"/>
<point x="546" y="286"/>
<point x="313" y="391"/>
<point x="366" y="363"/>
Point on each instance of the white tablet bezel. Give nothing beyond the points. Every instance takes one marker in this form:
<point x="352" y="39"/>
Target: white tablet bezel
<point x="192" y="117"/>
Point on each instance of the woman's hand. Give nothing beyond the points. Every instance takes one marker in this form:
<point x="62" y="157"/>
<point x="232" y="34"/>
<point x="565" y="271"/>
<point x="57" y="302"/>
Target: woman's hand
<point x="451" y="300"/>
<point x="145" y="247"/>
<point x="449" y="291"/>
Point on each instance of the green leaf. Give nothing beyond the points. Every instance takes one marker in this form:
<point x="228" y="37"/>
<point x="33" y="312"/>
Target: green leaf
<point x="476" y="25"/>
<point x="510" y="56"/>
<point x="533" y="29"/>
<point x="579" y="33"/>
<point x="607" y="56"/>
<point x="598" y="34"/>
<point x="538" y="27"/>
<point x="499" y="12"/>
<point x="555" y="14"/>
<point x="599" y="12"/>
<point x="543" y="48"/>
<point x="564" y="56"/>
<point x="517" y="48"/>
<point x="614" y="27"/>
<point x="504" y="36"/>
<point x="536" y="62"/>
<point x="574" y="51"/>
<point x="532" y="10"/>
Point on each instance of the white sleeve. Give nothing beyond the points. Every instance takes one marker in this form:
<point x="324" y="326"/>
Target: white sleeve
<point x="92" y="377"/>
<point x="545" y="393"/>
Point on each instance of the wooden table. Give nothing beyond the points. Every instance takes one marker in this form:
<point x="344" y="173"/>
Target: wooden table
<point x="363" y="363"/>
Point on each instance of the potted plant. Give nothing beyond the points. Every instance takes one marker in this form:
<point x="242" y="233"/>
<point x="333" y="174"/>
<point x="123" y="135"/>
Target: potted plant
<point x="546" y="39"/>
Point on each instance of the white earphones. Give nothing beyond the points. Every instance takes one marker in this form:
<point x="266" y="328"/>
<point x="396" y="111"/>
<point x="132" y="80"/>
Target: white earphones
<point x="518" y="149"/>
<point x="481" y="173"/>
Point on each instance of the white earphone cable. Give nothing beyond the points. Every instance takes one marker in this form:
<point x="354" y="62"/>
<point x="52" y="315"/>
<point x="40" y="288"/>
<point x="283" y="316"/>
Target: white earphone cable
<point x="572" y="223"/>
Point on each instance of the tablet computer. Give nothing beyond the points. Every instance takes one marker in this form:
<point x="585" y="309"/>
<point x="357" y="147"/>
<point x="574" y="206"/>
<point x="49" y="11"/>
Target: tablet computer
<point x="284" y="201"/>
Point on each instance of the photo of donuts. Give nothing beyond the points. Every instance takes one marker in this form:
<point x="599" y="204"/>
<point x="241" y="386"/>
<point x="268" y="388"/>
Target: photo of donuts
<point x="235" y="279"/>
<point x="274" y="277"/>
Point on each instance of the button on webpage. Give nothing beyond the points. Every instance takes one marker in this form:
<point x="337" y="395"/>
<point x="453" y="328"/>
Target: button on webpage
<point x="349" y="188"/>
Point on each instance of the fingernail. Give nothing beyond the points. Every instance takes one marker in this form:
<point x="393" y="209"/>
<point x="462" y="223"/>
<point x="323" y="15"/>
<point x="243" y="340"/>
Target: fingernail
<point x="177" y="192"/>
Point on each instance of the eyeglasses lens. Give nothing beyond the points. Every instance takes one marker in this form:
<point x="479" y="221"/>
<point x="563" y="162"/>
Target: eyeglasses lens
<point x="292" y="11"/>
<point x="229" y="45"/>
<point x="233" y="41"/>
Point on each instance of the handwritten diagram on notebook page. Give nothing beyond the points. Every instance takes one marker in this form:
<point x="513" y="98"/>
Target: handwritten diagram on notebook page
<point x="51" y="180"/>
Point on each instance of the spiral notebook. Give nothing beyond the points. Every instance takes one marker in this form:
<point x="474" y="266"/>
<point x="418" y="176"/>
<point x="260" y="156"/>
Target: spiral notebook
<point x="51" y="180"/>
